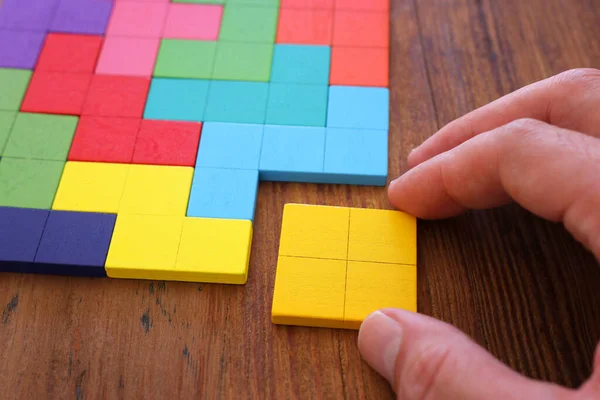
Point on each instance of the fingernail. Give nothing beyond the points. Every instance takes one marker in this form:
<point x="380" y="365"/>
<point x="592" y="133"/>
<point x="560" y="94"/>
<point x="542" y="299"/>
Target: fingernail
<point x="380" y="338"/>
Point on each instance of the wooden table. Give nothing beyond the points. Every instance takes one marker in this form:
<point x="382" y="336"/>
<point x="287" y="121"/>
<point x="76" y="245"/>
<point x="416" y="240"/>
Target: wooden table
<point x="519" y="286"/>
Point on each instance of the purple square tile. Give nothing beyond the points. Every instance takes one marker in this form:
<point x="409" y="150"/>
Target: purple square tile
<point x="20" y="49"/>
<point x="82" y="16"/>
<point x="29" y="15"/>
<point x="20" y="233"/>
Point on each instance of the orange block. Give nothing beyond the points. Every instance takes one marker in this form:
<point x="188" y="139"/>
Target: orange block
<point x="305" y="26"/>
<point x="359" y="66"/>
<point x="363" y="5"/>
<point x="308" y="4"/>
<point x="368" y="29"/>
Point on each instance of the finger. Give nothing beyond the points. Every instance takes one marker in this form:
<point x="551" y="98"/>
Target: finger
<point x="569" y="100"/>
<point x="591" y="389"/>
<point x="423" y="358"/>
<point x="550" y="171"/>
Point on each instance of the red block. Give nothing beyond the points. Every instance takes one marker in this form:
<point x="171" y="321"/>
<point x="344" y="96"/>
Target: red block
<point x="56" y="92"/>
<point x="167" y="143"/>
<point x="104" y="139"/>
<point x="301" y="26"/>
<point x="361" y="29"/>
<point x="359" y="66"/>
<point x="117" y="96"/>
<point x="307" y="4"/>
<point x="69" y="53"/>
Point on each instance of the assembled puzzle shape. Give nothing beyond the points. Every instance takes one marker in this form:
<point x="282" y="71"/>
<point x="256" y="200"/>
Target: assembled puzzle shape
<point x="134" y="133"/>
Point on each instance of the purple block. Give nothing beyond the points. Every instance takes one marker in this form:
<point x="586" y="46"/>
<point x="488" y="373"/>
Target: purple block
<point x="19" y="49"/>
<point x="76" y="238"/>
<point x="20" y="233"/>
<point x="29" y="15"/>
<point x="82" y="16"/>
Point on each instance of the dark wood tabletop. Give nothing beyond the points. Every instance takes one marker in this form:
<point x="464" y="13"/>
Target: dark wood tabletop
<point x="520" y="286"/>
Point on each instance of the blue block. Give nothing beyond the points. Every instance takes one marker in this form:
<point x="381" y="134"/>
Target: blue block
<point x="223" y="193"/>
<point x="20" y="233"/>
<point x="76" y="243"/>
<point x="177" y="99"/>
<point x="291" y="104"/>
<point x="356" y="157"/>
<point x="292" y="154"/>
<point x="233" y="101"/>
<point x="358" y="107"/>
<point x="301" y="64"/>
<point x="227" y="145"/>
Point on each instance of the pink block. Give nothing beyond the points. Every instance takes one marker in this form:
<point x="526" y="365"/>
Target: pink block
<point x="127" y="56"/>
<point x="137" y="19"/>
<point x="142" y="1"/>
<point x="193" y="21"/>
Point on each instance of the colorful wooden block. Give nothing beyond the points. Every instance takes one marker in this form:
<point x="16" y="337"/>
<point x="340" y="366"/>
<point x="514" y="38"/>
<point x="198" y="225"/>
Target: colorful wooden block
<point x="20" y="233"/>
<point x="20" y="49"/>
<point x="75" y="243"/>
<point x="27" y="15"/>
<point x="177" y="99"/>
<point x="69" y="53"/>
<point x="129" y="56"/>
<point x="223" y="193"/>
<point x="362" y="5"/>
<point x="191" y="21"/>
<point x="41" y="136"/>
<point x="116" y="96"/>
<point x="91" y="187"/>
<point x="84" y="17"/>
<point x="358" y="107"/>
<point x="185" y="59"/>
<point x="301" y="64"/>
<point x="308" y="4"/>
<point x="242" y="102"/>
<point x="137" y="19"/>
<point x="14" y="83"/>
<point x="104" y="139"/>
<point x="28" y="183"/>
<point x="301" y="105"/>
<point x="255" y="3"/>
<point x="244" y="23"/>
<point x="156" y="190"/>
<point x="360" y="66"/>
<point x="292" y="154"/>
<point x="7" y="119"/>
<point x="167" y="143"/>
<point x="361" y="29"/>
<point x="56" y="93"/>
<point x="214" y="251"/>
<point x="302" y="26"/>
<point x="243" y="62"/>
<point x="226" y="145"/>
<point x="356" y="156"/>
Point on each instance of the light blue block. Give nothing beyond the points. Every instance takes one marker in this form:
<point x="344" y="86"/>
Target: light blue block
<point x="177" y="99"/>
<point x="223" y="193"/>
<point x="358" y="107"/>
<point x="291" y="104"/>
<point x="301" y="64"/>
<point x="292" y="154"/>
<point x="227" y="145"/>
<point x="233" y="101"/>
<point x="356" y="157"/>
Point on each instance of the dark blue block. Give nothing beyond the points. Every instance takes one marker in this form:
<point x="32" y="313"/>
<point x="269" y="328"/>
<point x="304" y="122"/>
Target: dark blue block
<point x="75" y="243"/>
<point x="20" y="233"/>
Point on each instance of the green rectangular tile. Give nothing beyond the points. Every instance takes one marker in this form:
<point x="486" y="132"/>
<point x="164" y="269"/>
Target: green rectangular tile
<point x="271" y="3"/>
<point x="243" y="62"/>
<point x="13" y="84"/>
<point x="185" y="59"/>
<point x="7" y="118"/>
<point x="249" y="24"/>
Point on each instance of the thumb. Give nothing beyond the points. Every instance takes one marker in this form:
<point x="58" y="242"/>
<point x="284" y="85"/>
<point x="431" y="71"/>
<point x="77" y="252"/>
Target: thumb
<point x="423" y="358"/>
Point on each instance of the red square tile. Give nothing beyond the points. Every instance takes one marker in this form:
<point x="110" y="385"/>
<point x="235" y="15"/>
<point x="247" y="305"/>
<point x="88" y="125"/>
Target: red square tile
<point x="363" y="5"/>
<point x="307" y="4"/>
<point x="117" y="96"/>
<point x="104" y="139"/>
<point x="361" y="29"/>
<point x="167" y="143"/>
<point x="359" y="66"/>
<point x="305" y="26"/>
<point x="56" y="92"/>
<point x="69" y="53"/>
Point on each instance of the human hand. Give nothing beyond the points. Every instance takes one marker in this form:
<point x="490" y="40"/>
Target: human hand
<point x="538" y="147"/>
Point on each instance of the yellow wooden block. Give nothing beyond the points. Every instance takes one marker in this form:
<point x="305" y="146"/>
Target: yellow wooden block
<point x="314" y="231"/>
<point x="382" y="236"/>
<point x="309" y="292"/>
<point x="91" y="187"/>
<point x="157" y="190"/>
<point x="214" y="250"/>
<point x="144" y="247"/>
<point x="373" y="286"/>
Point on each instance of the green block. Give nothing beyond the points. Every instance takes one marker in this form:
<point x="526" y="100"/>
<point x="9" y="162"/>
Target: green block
<point x="249" y="24"/>
<point x="291" y="104"/>
<point x="13" y="84"/>
<point x="41" y="136"/>
<point x="273" y="3"/>
<point x="243" y="102"/>
<point x="185" y="59"/>
<point x="6" y="122"/>
<point x="29" y="183"/>
<point x="243" y="62"/>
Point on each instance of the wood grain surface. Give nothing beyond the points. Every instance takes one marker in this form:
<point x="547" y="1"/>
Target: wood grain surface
<point x="520" y="286"/>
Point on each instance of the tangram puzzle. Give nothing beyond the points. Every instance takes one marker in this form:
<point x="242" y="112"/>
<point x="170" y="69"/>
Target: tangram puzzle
<point x="134" y="133"/>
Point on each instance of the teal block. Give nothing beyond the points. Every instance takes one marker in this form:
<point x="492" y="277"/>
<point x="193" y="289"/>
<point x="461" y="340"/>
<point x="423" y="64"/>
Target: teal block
<point x="301" y="64"/>
<point x="241" y="102"/>
<point x="223" y="193"/>
<point x="292" y="154"/>
<point x="177" y="99"/>
<point x="227" y="145"/>
<point x="358" y="107"/>
<point x="291" y="104"/>
<point x="356" y="157"/>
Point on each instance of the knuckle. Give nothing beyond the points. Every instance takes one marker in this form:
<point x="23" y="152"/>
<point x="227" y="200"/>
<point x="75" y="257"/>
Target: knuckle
<point x="522" y="130"/>
<point x="578" y="79"/>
